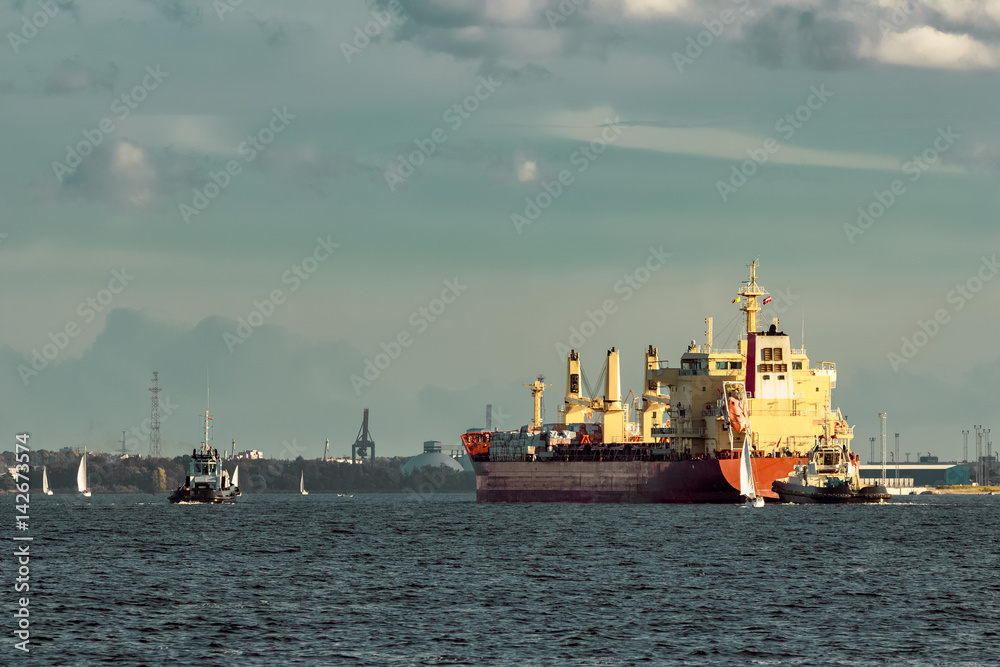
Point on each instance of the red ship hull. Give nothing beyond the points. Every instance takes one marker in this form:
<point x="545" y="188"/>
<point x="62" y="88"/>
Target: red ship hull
<point x="695" y="481"/>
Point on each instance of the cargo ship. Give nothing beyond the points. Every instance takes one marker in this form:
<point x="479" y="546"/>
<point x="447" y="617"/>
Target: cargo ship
<point x="680" y="440"/>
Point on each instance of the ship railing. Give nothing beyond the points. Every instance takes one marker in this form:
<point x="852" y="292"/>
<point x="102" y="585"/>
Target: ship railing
<point x="890" y="482"/>
<point x="666" y="431"/>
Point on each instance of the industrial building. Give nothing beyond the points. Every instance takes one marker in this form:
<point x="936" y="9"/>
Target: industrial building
<point x="432" y="458"/>
<point x="921" y="474"/>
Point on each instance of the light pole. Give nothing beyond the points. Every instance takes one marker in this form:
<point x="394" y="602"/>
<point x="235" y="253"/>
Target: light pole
<point x="988" y="459"/>
<point x="882" y="416"/>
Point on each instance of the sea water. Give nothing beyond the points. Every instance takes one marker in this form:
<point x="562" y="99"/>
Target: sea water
<point x="441" y="580"/>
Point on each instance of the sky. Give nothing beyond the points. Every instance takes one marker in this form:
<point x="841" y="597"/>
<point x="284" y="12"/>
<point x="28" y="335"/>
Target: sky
<point x="318" y="207"/>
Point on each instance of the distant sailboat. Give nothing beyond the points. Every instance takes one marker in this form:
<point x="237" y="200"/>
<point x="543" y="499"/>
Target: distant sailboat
<point x="747" y="487"/>
<point x="81" y="477"/>
<point x="302" y="484"/>
<point x="45" y="483"/>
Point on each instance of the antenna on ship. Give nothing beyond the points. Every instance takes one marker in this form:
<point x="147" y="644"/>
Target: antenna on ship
<point x="208" y="417"/>
<point x="751" y="290"/>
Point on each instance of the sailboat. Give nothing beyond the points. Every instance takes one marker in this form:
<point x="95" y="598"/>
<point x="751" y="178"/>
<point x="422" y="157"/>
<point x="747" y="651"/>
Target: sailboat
<point x="81" y="476"/>
<point x="236" y="479"/>
<point x="45" y="483"/>
<point x="302" y="484"/>
<point x="747" y="487"/>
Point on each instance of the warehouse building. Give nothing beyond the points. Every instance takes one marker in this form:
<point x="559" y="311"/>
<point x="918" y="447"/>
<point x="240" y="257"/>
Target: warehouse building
<point x="921" y="474"/>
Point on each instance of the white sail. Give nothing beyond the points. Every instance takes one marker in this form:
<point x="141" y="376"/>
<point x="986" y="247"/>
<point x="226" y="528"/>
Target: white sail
<point x="236" y="476"/>
<point x="302" y="484"/>
<point x="747" y="487"/>
<point x="81" y="475"/>
<point x="45" y="483"/>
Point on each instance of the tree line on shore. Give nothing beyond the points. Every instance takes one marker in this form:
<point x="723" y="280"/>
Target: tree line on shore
<point x="108" y="473"/>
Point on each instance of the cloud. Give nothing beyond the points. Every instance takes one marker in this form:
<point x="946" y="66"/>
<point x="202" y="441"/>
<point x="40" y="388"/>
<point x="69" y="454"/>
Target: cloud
<point x="308" y="165"/>
<point x="72" y="77"/>
<point x="927" y="47"/>
<point x="128" y="176"/>
<point x="276" y="33"/>
<point x="789" y="36"/>
<point x="527" y="74"/>
<point x="815" y="34"/>
<point x="178" y="11"/>
<point x="712" y="142"/>
<point x="494" y="31"/>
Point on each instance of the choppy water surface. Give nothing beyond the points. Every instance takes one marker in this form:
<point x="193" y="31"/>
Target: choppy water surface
<point x="388" y="579"/>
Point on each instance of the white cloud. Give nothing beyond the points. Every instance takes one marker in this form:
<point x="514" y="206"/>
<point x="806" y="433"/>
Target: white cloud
<point x="719" y="143"/>
<point x="927" y="47"/>
<point x="653" y="8"/>
<point x="528" y="171"/>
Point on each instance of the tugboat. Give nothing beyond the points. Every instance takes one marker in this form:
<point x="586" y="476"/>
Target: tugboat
<point x="206" y="481"/>
<point x="832" y="475"/>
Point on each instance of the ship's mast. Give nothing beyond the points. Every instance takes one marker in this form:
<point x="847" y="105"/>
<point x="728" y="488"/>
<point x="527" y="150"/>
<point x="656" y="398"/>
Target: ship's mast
<point x="537" y="388"/>
<point x="752" y="291"/>
<point x="208" y="418"/>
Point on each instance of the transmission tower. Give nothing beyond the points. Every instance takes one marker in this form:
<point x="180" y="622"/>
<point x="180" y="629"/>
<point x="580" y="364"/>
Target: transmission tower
<point x="154" y="419"/>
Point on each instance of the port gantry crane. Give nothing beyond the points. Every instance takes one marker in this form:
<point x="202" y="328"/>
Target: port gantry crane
<point x="363" y="442"/>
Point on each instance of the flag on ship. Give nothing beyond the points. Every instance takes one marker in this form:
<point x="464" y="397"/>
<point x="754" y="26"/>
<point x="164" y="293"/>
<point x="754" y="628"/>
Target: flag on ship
<point x="736" y="300"/>
<point x="767" y="299"/>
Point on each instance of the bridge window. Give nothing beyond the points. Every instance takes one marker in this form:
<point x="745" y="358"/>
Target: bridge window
<point x="796" y="365"/>
<point x="721" y="365"/>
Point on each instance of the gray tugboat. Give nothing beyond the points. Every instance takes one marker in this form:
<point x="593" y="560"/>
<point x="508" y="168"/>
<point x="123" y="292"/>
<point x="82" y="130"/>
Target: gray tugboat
<point x="831" y="475"/>
<point x="206" y="481"/>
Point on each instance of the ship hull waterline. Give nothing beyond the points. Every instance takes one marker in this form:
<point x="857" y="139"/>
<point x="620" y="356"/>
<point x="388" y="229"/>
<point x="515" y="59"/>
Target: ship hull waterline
<point x="202" y="497"/>
<point x="691" y="481"/>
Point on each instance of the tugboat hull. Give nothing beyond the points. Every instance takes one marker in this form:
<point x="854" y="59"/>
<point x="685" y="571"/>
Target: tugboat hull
<point x="797" y="493"/>
<point x="202" y="496"/>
